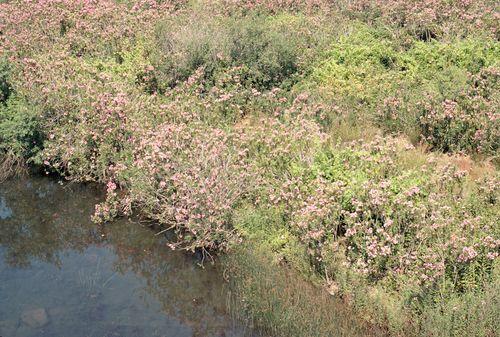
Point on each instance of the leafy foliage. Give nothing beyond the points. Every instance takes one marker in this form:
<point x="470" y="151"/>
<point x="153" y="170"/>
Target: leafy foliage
<point x="336" y="136"/>
<point x="5" y="86"/>
<point x="20" y="133"/>
<point x="443" y="93"/>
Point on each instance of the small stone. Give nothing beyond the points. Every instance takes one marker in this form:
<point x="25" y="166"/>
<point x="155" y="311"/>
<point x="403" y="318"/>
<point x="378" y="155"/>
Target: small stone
<point x="35" y="318"/>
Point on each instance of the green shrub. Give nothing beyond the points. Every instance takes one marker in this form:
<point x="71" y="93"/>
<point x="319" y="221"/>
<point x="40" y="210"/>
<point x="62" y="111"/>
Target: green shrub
<point x="363" y="63"/>
<point x="445" y="93"/>
<point x="266" y="50"/>
<point x="20" y="133"/>
<point x="5" y="85"/>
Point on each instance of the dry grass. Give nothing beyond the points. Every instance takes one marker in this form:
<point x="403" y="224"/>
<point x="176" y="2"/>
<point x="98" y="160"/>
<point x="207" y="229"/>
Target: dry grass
<point x="11" y="166"/>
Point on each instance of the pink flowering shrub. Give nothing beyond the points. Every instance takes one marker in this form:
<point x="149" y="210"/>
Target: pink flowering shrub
<point x="443" y="94"/>
<point x="270" y="6"/>
<point x="466" y="120"/>
<point x="188" y="179"/>
<point x="87" y="116"/>
<point x="431" y="18"/>
<point x="80" y="26"/>
<point x="410" y="229"/>
<point x="470" y="122"/>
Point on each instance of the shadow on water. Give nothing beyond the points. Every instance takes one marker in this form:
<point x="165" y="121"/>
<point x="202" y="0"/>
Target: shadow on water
<point x="61" y="275"/>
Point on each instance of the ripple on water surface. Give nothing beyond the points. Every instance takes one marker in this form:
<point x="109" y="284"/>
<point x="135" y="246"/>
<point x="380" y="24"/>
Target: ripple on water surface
<point x="60" y="275"/>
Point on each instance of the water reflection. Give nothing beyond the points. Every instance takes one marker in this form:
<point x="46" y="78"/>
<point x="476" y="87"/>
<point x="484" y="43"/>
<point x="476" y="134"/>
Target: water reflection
<point x="61" y="275"/>
<point x="5" y="212"/>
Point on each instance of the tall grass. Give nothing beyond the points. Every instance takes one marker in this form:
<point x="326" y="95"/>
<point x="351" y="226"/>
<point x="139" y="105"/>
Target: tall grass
<point x="278" y="302"/>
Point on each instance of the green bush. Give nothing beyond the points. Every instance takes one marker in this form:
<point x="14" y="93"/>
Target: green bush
<point x="444" y="93"/>
<point x="266" y="52"/>
<point x="363" y="63"/>
<point x="5" y="86"/>
<point x="20" y="133"/>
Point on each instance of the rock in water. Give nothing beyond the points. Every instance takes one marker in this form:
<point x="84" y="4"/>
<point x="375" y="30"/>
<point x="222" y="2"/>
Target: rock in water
<point x="35" y="318"/>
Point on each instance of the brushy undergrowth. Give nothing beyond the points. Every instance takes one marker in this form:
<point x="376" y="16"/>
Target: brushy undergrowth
<point x="352" y="144"/>
<point x="266" y="53"/>
<point x="442" y="93"/>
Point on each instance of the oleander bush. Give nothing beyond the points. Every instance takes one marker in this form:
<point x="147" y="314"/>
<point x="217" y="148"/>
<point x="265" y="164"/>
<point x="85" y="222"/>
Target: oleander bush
<point x="370" y="213"/>
<point x="391" y="221"/>
<point x="188" y="179"/>
<point x="429" y="19"/>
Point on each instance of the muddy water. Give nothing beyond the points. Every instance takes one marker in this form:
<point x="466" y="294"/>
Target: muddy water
<point x="61" y="275"/>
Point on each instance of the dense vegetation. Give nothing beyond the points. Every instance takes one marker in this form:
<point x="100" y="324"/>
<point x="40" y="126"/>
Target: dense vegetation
<point x="353" y="143"/>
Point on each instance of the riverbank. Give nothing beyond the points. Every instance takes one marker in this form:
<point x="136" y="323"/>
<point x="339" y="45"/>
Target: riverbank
<point x="355" y="145"/>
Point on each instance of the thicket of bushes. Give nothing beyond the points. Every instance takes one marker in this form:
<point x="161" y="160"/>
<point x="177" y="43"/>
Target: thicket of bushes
<point x="335" y="137"/>
<point x="266" y="54"/>
<point x="442" y="93"/>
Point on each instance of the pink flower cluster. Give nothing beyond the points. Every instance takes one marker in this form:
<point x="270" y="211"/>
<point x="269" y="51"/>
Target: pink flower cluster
<point x="431" y="16"/>
<point x="389" y="227"/>
<point x="191" y="178"/>
<point x="82" y="26"/>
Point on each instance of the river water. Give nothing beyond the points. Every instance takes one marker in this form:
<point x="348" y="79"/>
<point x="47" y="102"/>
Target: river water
<point x="62" y="275"/>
